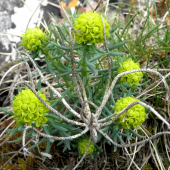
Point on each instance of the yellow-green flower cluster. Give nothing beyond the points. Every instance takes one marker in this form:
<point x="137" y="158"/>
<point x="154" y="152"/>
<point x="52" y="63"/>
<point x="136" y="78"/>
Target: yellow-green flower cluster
<point x="133" y="78"/>
<point x="89" y="28"/>
<point x="82" y="146"/>
<point x="33" y="39"/>
<point x="135" y="116"/>
<point x="29" y="109"/>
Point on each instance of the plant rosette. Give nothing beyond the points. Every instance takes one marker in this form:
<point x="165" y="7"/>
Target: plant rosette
<point x="89" y="28"/>
<point x="133" y="78"/>
<point x="33" y="39"/>
<point x="133" y="117"/>
<point x="29" y="109"/>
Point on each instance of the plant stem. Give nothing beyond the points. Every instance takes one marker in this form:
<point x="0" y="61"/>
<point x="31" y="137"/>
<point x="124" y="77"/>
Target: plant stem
<point x="85" y="68"/>
<point x="50" y="57"/>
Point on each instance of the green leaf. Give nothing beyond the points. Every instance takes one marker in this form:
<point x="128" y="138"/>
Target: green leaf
<point x="111" y="41"/>
<point x="120" y="139"/>
<point x="46" y="130"/>
<point x="89" y="92"/>
<point x="105" y="108"/>
<point x="126" y="47"/>
<point x="56" y="126"/>
<point x="55" y="35"/>
<point x="89" y="43"/>
<point x="64" y="74"/>
<point x="67" y="142"/>
<point x="151" y="31"/>
<point x="115" y="140"/>
<point x="33" y="56"/>
<point x="6" y="111"/>
<point x="98" y="148"/>
<point x="60" y="98"/>
<point x="62" y="33"/>
<point x="127" y="133"/>
<point x="59" y="69"/>
<point x="67" y="146"/>
<point x="116" y="53"/>
<point x="117" y="45"/>
<point x="115" y="28"/>
<point x="20" y="126"/>
<point x="96" y="58"/>
<point x="47" y="148"/>
<point x="60" y="143"/>
<point x="19" y="139"/>
<point x="129" y="23"/>
<point x="136" y="134"/>
<point x="69" y="127"/>
<point x="19" y="89"/>
<point x="122" y="134"/>
<point x="66" y="48"/>
<point x="33" y="134"/>
<point x="39" y="143"/>
<point x="91" y="66"/>
<point x="49" y="66"/>
<point x="53" y="116"/>
<point x="101" y="51"/>
<point x="65" y="28"/>
<point x="13" y="131"/>
<point x="44" y="124"/>
<point x="105" y="129"/>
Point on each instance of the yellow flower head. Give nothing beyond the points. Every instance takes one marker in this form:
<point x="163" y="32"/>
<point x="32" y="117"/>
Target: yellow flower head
<point x="33" y="39"/>
<point x="89" y="28"/>
<point x="135" y="116"/>
<point x="82" y="146"/>
<point x="133" y="78"/>
<point x="29" y="109"/>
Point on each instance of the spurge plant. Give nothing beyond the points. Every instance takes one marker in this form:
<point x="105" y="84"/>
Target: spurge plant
<point x="92" y="100"/>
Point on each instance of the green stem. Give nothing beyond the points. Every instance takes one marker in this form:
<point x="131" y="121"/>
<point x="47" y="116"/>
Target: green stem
<point x="85" y="69"/>
<point x="50" y="57"/>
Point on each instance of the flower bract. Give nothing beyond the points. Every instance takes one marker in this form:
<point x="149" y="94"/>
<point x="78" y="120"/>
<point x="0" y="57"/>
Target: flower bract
<point x="89" y="28"/>
<point x="134" y="116"/>
<point x="33" y="39"/>
<point x="29" y="109"/>
<point x="133" y="78"/>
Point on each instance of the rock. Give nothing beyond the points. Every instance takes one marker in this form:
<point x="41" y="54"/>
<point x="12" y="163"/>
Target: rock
<point x="6" y="10"/>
